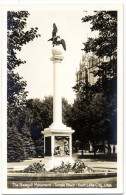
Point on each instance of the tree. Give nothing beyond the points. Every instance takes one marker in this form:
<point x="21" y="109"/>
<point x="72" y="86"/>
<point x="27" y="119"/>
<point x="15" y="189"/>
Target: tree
<point x="105" y="22"/>
<point x="40" y="116"/>
<point x="28" y="142"/>
<point x="66" y="111"/>
<point x="84" y="91"/>
<point x="86" y="119"/>
<point x="15" y="147"/>
<point x="41" y="112"/>
<point x="104" y="118"/>
<point x="17" y="36"/>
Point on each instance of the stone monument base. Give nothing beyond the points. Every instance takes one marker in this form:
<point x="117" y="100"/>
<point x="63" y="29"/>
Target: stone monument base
<point x="57" y="145"/>
<point x="54" y="162"/>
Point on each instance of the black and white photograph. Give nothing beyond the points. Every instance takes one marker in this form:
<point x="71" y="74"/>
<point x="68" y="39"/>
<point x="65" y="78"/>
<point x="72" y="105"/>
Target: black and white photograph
<point x="63" y="98"/>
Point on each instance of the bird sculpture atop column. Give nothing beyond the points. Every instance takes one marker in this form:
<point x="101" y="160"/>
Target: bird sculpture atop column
<point x="56" y="40"/>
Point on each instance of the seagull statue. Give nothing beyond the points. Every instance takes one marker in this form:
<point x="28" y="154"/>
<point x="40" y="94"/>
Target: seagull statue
<point x="61" y="42"/>
<point x="56" y="40"/>
<point x="55" y="30"/>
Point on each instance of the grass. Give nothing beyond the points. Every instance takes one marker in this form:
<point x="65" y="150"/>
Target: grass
<point x="99" y="157"/>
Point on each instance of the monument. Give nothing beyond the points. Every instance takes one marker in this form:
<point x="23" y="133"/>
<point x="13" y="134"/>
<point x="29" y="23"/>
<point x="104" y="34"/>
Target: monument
<point x="58" y="137"/>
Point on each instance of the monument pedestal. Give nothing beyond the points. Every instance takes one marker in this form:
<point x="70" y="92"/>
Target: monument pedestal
<point x="57" y="146"/>
<point x="58" y="137"/>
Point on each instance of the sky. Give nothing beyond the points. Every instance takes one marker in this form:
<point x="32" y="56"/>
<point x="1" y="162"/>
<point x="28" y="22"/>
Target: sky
<point x="38" y="70"/>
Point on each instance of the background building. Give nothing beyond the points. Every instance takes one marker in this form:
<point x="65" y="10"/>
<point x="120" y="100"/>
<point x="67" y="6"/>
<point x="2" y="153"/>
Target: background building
<point x="88" y="65"/>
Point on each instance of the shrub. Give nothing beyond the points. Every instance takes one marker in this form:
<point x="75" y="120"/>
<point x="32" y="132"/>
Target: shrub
<point x="80" y="167"/>
<point x="77" y="167"/>
<point x="63" y="168"/>
<point x="35" y="168"/>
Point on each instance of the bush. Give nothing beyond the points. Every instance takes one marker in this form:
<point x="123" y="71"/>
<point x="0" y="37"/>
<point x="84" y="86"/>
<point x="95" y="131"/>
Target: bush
<point x="77" y="167"/>
<point x="35" y="168"/>
<point x="63" y="168"/>
<point x="80" y="167"/>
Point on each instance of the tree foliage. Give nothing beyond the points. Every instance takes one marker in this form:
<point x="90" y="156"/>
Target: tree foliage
<point x="94" y="113"/>
<point x="40" y="116"/>
<point x="19" y="138"/>
<point x="17" y="36"/>
<point x="15" y="148"/>
<point x="41" y="111"/>
<point x="87" y="119"/>
<point x="105" y="22"/>
<point x="105" y="45"/>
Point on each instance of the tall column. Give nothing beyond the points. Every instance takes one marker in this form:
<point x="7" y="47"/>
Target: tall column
<point x="57" y="100"/>
<point x="57" y="128"/>
<point x="57" y="87"/>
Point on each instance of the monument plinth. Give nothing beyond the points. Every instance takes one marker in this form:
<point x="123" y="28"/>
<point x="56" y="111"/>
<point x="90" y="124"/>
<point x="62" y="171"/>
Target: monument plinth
<point x="58" y="137"/>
